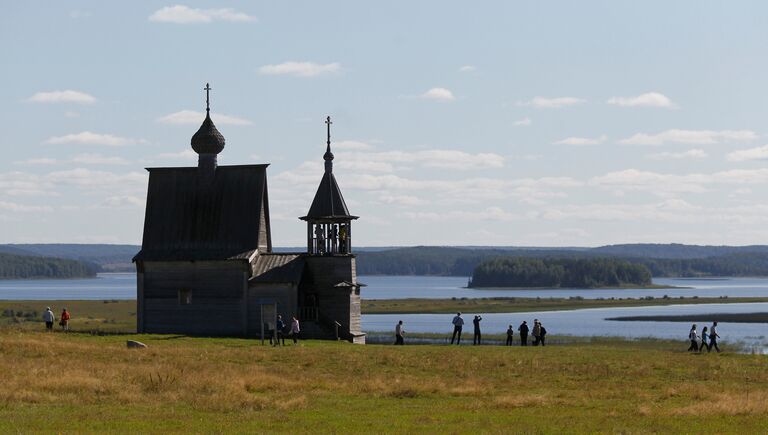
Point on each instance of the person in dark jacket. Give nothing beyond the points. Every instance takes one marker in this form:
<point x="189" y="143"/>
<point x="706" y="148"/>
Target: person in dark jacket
<point x="476" y="322"/>
<point x="510" y="334"/>
<point x="523" y="330"/>
<point x="399" y="331"/>
<point x="279" y="329"/>
<point x="542" y="334"/>
<point x="458" y="323"/>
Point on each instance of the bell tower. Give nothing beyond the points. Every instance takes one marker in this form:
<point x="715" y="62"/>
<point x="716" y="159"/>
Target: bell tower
<point x="329" y="224"/>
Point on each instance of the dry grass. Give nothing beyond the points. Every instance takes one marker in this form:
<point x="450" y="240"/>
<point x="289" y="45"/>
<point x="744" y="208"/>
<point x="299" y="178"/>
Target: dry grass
<point x="91" y="384"/>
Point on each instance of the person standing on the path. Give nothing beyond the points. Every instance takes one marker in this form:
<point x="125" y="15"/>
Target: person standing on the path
<point x="536" y="332"/>
<point x="49" y="318"/>
<point x="295" y="329"/>
<point x="476" y="321"/>
<point x="64" y="321"/>
<point x="713" y="337"/>
<point x="523" y="329"/>
<point x="542" y="333"/>
<point x="279" y="328"/>
<point x="458" y="323"/>
<point x="510" y="334"/>
<point x="704" y="336"/>
<point x="399" y="341"/>
<point x="693" y="336"/>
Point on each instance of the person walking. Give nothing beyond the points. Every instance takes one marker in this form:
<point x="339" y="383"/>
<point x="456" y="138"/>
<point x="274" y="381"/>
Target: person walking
<point x="64" y="321"/>
<point x="536" y="332"/>
<point x="713" y="337"/>
<point x="704" y="336"/>
<point x="510" y="334"/>
<point x="279" y="328"/>
<point x="523" y="330"/>
<point x="295" y="330"/>
<point x="399" y="334"/>
<point x="693" y="336"/>
<point x="49" y="318"/>
<point x="542" y="334"/>
<point x="476" y="321"/>
<point x="458" y="323"/>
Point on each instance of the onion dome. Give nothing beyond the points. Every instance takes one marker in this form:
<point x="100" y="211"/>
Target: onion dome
<point x="207" y="140"/>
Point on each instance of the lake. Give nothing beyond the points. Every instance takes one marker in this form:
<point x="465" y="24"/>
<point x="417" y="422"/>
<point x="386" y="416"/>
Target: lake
<point x="584" y="322"/>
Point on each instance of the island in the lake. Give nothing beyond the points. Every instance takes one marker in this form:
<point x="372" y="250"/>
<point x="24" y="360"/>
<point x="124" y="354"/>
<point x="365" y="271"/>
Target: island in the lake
<point x="514" y="272"/>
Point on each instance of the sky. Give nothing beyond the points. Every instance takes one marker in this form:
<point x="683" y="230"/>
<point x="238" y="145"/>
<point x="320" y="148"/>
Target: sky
<point x="507" y="123"/>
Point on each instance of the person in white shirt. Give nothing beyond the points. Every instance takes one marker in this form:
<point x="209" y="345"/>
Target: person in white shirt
<point x="49" y="318"/>
<point x="399" y="334"/>
<point x="694" y="337"/>
<point x="295" y="330"/>
<point x="713" y="337"/>
<point x="458" y="323"/>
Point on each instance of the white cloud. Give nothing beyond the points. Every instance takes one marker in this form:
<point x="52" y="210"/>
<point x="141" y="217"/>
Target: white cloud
<point x="759" y="153"/>
<point x="180" y="14"/>
<point x="701" y="137"/>
<point x="123" y="201"/>
<point x="67" y="96"/>
<point x="438" y="94"/>
<point x="523" y="122"/>
<point x="21" y="208"/>
<point x="301" y="69"/>
<point x="468" y="68"/>
<point x="351" y="145"/>
<point x="190" y="117"/>
<point x="90" y="138"/>
<point x="37" y="161"/>
<point x="186" y="154"/>
<point x="552" y="103"/>
<point x="98" y="159"/>
<point x="650" y="99"/>
<point x="690" y="154"/>
<point x="71" y="114"/>
<point x="406" y="200"/>
<point x="580" y="141"/>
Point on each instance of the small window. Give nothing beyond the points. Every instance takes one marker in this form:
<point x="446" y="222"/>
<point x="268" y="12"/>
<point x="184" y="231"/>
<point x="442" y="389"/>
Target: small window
<point x="185" y="297"/>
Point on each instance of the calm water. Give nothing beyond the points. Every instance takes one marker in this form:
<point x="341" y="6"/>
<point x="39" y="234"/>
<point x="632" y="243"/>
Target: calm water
<point x="586" y="322"/>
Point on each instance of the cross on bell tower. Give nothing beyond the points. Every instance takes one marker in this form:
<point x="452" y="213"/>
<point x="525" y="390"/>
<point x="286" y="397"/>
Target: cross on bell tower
<point x="207" y="89"/>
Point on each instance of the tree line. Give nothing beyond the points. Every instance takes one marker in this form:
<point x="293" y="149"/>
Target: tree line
<point x="559" y="272"/>
<point x="446" y="261"/>
<point x="24" y="267"/>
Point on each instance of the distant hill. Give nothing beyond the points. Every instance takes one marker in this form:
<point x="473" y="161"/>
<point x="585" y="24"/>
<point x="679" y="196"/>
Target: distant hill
<point x="661" y="259"/>
<point x="14" y="266"/>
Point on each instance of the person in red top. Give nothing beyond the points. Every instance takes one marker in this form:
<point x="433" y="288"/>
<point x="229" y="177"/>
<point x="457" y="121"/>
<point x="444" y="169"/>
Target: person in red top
<point x="64" y="322"/>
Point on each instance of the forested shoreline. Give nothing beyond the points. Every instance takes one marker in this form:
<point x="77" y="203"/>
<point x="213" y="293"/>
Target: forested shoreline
<point x="32" y="267"/>
<point x="562" y="272"/>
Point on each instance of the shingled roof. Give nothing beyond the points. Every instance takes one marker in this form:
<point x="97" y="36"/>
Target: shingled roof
<point x="328" y="202"/>
<point x="277" y="268"/>
<point x="219" y="219"/>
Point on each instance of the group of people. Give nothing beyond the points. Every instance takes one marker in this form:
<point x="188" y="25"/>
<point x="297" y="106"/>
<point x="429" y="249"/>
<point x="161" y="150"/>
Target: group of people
<point x="539" y="332"/>
<point x="278" y="334"/>
<point x="707" y="339"/>
<point x="49" y="318"/>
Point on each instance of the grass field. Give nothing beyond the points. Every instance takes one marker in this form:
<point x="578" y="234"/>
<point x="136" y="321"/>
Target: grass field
<point x="83" y="383"/>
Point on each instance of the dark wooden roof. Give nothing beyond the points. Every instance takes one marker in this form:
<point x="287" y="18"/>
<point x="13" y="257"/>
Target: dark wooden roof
<point x="277" y="268"/>
<point x="189" y="219"/>
<point x="328" y="202"/>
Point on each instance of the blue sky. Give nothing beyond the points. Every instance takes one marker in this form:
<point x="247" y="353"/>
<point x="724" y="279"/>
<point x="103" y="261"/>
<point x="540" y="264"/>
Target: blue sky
<point x="491" y="123"/>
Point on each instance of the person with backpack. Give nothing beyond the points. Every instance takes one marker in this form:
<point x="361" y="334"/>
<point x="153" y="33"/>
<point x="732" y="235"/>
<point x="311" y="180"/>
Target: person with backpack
<point x="523" y="329"/>
<point x="693" y="336"/>
<point x="536" y="332"/>
<point x="713" y="337"/>
<point x="399" y="341"/>
<point x="704" y="336"/>
<point x="64" y="321"/>
<point x="510" y="334"/>
<point x="542" y="333"/>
